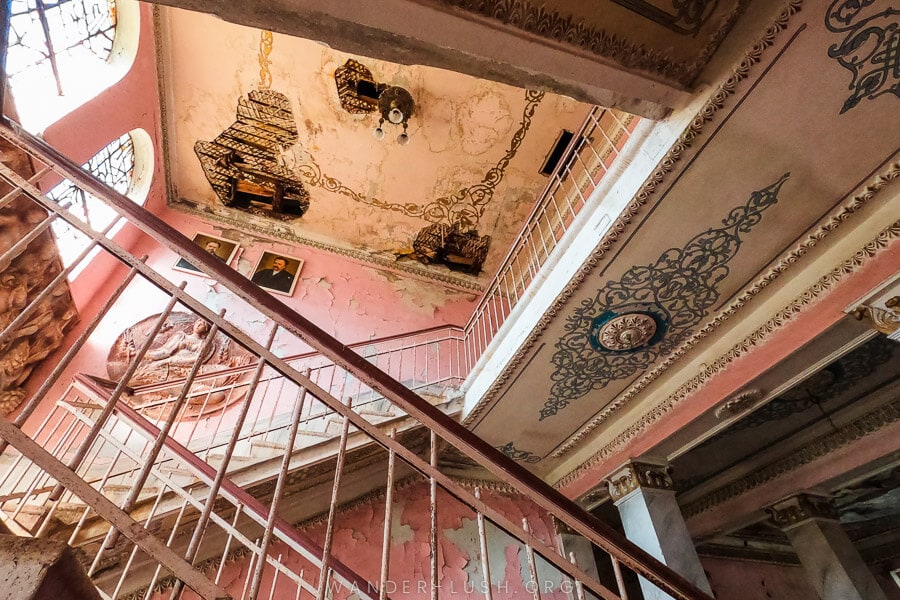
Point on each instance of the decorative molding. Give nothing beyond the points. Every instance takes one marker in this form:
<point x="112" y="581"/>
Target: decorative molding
<point x="687" y="17"/>
<point x="802" y="507"/>
<point x="571" y="31"/>
<point x="665" y="166"/>
<point x="828" y="383"/>
<point x="775" y="323"/>
<point x="822" y="446"/>
<point x="883" y="321"/>
<point x="738" y="403"/>
<point x="869" y="49"/>
<point x="636" y="475"/>
<point x="832" y="223"/>
<point x="678" y="290"/>
<point x="241" y="222"/>
<point x="626" y="332"/>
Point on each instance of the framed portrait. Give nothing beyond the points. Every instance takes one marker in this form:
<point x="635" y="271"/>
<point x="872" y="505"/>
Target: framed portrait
<point x="277" y="272"/>
<point x="223" y="249"/>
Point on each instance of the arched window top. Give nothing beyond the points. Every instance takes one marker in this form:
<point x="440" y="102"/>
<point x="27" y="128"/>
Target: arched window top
<point x="126" y="165"/>
<point x="64" y="52"/>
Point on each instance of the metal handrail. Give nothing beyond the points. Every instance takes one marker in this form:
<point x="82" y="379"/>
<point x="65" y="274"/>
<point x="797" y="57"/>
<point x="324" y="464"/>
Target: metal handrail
<point x="531" y="486"/>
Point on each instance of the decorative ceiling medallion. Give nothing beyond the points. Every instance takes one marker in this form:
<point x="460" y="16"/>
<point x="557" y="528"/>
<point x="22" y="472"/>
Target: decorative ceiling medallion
<point x="625" y="332"/>
<point x="243" y="163"/>
<point x="682" y="284"/>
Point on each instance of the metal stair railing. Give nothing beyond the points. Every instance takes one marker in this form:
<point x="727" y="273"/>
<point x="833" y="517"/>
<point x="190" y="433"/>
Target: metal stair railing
<point x="444" y="430"/>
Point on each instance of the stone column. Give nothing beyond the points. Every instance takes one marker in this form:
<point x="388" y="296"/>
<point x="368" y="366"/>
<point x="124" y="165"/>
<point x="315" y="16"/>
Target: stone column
<point x="832" y="564"/>
<point x="645" y="496"/>
<point x="575" y="546"/>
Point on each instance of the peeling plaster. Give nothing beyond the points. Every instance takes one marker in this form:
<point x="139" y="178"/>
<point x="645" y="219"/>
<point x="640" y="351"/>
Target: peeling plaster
<point x="483" y="121"/>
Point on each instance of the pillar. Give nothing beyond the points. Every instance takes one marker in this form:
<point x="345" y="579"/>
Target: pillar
<point x="645" y="496"/>
<point x="831" y="562"/>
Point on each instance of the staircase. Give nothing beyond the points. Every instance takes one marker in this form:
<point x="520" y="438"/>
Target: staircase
<point x="146" y="496"/>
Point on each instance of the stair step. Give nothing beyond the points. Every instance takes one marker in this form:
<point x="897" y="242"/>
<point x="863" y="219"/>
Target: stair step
<point x="268" y="444"/>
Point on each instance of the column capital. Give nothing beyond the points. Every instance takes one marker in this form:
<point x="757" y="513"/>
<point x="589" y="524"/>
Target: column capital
<point x="802" y="507"/>
<point x="639" y="475"/>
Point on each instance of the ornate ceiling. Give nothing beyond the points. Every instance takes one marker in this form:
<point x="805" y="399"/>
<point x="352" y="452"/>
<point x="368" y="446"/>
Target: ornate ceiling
<point x="773" y="164"/>
<point x="474" y="152"/>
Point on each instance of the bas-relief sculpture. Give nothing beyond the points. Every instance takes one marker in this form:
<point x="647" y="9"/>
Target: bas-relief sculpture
<point x="22" y="279"/>
<point x="178" y="345"/>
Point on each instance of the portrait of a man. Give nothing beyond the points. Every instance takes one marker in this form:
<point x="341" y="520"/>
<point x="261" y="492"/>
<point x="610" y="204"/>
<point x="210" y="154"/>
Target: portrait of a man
<point x="221" y="248"/>
<point x="277" y="273"/>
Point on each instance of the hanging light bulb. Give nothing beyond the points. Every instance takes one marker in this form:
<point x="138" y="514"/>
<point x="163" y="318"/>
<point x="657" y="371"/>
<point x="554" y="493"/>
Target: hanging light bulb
<point x="378" y="134"/>
<point x="395" y="116"/>
<point x="403" y="139"/>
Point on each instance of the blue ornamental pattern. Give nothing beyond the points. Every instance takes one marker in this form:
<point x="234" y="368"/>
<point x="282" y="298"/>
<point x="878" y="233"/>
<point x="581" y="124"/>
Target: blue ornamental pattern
<point x="678" y="290"/>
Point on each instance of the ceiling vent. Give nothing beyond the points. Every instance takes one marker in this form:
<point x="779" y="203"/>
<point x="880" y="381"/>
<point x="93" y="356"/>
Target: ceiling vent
<point x="555" y="156"/>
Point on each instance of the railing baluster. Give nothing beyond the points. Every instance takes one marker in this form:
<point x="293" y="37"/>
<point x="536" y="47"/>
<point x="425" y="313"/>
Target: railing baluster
<point x="432" y="538"/>
<point x="276" y="497"/>
<point x="200" y="527"/>
<point x="325" y="563"/>
<point x="388" y="518"/>
<point x="532" y="564"/>
<point x="483" y="546"/>
<point x="75" y="462"/>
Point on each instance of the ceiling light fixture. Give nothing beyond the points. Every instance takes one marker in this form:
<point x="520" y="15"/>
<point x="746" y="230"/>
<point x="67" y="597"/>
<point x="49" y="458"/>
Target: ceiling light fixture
<point x="359" y="93"/>
<point x="396" y="106"/>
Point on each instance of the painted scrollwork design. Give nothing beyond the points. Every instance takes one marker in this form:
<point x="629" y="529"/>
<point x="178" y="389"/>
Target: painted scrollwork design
<point x="678" y="291"/>
<point x="870" y="49"/>
<point x="465" y="207"/>
<point x="523" y="456"/>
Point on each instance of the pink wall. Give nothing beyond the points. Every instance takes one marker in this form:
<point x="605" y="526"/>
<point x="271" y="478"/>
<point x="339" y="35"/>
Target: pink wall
<point x="350" y="300"/>
<point x="358" y="537"/>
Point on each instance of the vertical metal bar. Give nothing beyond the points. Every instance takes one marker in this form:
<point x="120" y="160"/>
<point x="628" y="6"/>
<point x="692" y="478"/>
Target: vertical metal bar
<point x="276" y="497"/>
<point x="620" y="582"/>
<point x="482" y="540"/>
<point x="227" y="549"/>
<point x="250" y="568"/>
<point x="274" y="580"/>
<point x="150" y="515"/>
<point x="163" y="434"/>
<point x="432" y="539"/>
<point x="76" y="460"/>
<point x="202" y="522"/>
<point x="532" y="564"/>
<point x="325" y="565"/>
<point x="388" y="518"/>
<point x="579" y="587"/>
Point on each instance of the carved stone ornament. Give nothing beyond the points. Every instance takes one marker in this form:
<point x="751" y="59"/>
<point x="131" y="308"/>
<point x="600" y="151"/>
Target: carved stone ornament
<point x="23" y="278"/>
<point x="800" y="508"/>
<point x="738" y="403"/>
<point x="627" y="332"/>
<point x="637" y="475"/>
<point x="178" y="345"/>
<point x="884" y="321"/>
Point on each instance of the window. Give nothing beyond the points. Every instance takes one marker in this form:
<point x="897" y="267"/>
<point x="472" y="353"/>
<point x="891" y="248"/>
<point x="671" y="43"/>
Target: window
<point x="113" y="165"/>
<point x="64" y="52"/>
